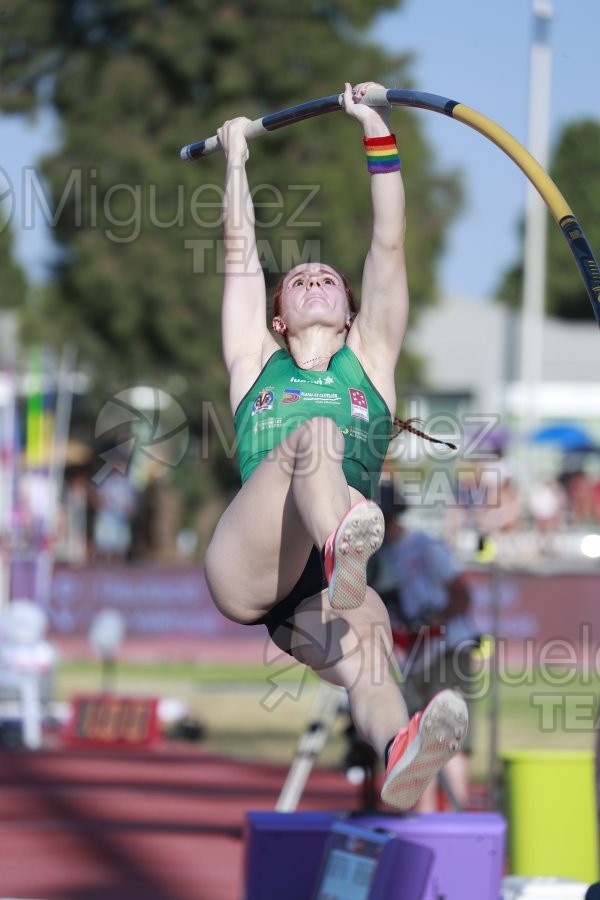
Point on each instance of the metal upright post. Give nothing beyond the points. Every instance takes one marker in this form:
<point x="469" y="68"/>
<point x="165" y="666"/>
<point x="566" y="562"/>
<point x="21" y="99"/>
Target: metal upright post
<point x="534" y="261"/>
<point x="495" y="600"/>
<point x="312" y="740"/>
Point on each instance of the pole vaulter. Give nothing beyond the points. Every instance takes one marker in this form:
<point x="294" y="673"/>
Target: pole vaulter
<point x="556" y="203"/>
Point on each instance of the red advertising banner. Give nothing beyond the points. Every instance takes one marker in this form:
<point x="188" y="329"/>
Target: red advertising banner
<point x="538" y="608"/>
<point x="174" y="601"/>
<point x="155" y="601"/>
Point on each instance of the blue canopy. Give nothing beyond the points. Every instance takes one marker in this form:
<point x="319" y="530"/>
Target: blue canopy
<point x="567" y="437"/>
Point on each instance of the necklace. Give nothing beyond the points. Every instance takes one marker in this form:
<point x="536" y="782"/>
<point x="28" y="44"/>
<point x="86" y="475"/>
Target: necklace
<point x="315" y="359"/>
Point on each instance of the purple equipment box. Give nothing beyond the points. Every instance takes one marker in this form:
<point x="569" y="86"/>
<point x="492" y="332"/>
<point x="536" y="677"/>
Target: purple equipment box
<point x="284" y="852"/>
<point x="468" y="850"/>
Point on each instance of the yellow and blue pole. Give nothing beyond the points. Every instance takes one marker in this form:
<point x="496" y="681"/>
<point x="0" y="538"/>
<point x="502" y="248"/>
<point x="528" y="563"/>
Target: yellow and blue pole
<point x="556" y="203"/>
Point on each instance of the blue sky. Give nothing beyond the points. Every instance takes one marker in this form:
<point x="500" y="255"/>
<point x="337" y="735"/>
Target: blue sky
<point x="468" y="50"/>
<point x="478" y="53"/>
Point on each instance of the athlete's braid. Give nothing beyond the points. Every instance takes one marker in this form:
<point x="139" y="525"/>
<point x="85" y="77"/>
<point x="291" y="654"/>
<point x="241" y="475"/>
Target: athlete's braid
<point x="407" y="426"/>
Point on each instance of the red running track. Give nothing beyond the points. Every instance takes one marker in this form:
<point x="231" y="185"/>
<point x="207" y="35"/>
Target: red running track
<point x="164" y="824"/>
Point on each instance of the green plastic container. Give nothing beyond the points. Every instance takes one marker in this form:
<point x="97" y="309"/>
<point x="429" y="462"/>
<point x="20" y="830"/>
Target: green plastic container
<point x="551" y="812"/>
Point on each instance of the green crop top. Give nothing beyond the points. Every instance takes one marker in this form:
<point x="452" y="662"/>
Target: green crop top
<point x="284" y="395"/>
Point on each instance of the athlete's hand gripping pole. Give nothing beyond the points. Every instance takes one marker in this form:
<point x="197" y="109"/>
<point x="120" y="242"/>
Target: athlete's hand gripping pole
<point x="572" y="231"/>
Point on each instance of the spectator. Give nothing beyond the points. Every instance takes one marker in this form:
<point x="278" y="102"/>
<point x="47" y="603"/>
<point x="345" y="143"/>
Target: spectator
<point x="595" y="503"/>
<point x="547" y="502"/>
<point x="115" y="501"/>
<point x="502" y="507"/>
<point x="579" y="493"/>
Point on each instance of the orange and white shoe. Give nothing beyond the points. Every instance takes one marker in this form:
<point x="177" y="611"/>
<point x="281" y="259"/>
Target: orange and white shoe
<point x="347" y="551"/>
<point x="423" y="747"/>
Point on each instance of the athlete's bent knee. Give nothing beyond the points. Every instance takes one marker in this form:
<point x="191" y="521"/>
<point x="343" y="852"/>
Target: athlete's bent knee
<point x="316" y="437"/>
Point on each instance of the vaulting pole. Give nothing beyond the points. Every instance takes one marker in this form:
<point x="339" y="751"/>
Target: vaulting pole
<point x="560" y="210"/>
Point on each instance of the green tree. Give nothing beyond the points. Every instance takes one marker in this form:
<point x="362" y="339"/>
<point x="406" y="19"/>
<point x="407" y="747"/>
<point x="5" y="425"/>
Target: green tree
<point x="139" y="277"/>
<point x="14" y="282"/>
<point x="575" y="169"/>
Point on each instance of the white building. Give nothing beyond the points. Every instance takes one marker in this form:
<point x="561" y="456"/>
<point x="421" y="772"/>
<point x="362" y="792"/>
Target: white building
<point x="470" y="350"/>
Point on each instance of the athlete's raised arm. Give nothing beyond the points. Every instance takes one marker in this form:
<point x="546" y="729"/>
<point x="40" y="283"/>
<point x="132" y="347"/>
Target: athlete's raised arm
<point x="244" y="328"/>
<point x="381" y="323"/>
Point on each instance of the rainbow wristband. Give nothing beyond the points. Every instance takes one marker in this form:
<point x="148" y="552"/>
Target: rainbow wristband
<point x="382" y="154"/>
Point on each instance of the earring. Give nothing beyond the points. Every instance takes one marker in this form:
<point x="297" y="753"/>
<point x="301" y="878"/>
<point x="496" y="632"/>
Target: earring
<point x="279" y="326"/>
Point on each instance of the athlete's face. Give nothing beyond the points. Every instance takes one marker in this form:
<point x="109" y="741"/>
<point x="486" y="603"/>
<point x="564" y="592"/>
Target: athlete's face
<point x="314" y="293"/>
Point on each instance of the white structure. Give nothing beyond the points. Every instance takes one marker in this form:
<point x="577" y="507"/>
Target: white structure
<point x="26" y="659"/>
<point x="470" y="350"/>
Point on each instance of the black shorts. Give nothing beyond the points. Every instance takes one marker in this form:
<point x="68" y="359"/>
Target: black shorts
<point x="280" y="619"/>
